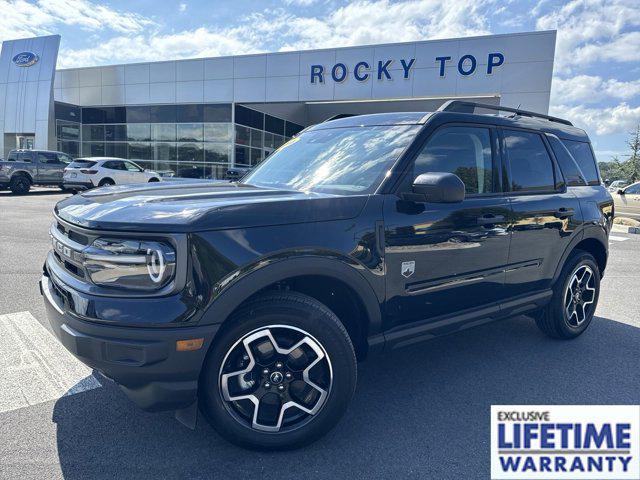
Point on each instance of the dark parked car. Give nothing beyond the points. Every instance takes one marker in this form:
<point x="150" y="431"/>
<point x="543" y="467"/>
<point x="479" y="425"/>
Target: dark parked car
<point x="24" y="168"/>
<point x="254" y="300"/>
<point x="236" y="173"/>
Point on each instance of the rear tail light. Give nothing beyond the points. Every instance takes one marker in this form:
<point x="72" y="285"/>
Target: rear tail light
<point x="88" y="172"/>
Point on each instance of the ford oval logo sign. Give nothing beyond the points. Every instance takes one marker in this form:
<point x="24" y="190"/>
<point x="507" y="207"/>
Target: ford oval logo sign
<point x="25" y="59"/>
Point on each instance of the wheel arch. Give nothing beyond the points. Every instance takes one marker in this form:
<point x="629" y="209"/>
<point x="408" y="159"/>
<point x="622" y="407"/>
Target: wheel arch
<point x="332" y="282"/>
<point x="102" y="180"/>
<point x="593" y="240"/>
<point x="23" y="173"/>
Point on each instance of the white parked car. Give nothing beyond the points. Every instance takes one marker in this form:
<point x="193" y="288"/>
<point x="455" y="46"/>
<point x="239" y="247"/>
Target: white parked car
<point x="85" y="173"/>
<point x="618" y="185"/>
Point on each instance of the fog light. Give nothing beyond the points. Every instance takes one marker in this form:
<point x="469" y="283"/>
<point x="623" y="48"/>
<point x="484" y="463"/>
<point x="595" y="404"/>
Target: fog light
<point x="189" y="345"/>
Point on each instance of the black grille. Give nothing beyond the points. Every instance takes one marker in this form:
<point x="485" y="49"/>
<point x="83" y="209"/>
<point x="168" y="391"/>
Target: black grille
<point x="73" y="267"/>
<point x="73" y="235"/>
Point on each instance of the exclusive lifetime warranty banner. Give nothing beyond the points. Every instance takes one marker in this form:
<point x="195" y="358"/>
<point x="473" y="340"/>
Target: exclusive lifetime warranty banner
<point x="565" y="442"/>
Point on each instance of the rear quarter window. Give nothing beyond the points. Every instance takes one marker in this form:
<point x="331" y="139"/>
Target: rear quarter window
<point x="583" y="155"/>
<point x="572" y="172"/>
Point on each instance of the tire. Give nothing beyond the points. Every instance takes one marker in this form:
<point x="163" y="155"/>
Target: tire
<point x="565" y="317"/>
<point x="325" y="357"/>
<point x="20" y="185"/>
<point x="106" y="182"/>
<point x="153" y="180"/>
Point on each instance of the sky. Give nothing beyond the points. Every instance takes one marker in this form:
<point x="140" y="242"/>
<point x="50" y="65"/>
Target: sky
<point x="596" y="81"/>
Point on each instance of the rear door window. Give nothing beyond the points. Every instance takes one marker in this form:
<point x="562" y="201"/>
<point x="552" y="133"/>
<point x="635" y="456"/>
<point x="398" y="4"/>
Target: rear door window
<point x="583" y="155"/>
<point x="530" y="165"/>
<point x="114" y="165"/>
<point x="47" y="157"/>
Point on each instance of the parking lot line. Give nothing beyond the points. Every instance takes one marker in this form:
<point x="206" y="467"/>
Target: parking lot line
<point x="34" y="366"/>
<point x="615" y="238"/>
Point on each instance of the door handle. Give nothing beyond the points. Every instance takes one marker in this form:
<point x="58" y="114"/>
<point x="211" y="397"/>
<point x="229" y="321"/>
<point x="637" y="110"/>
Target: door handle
<point x="490" y="219"/>
<point x="564" y="212"/>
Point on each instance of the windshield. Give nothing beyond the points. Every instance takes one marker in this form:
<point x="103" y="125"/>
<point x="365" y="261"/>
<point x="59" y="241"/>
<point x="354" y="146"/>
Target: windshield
<point x="349" y="160"/>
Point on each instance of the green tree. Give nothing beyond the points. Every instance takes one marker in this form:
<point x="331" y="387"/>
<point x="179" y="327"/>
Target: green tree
<point x="633" y="163"/>
<point x="613" y="170"/>
<point x="628" y="169"/>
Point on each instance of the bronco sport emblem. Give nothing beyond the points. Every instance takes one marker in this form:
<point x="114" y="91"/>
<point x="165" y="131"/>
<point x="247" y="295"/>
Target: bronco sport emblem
<point x="408" y="268"/>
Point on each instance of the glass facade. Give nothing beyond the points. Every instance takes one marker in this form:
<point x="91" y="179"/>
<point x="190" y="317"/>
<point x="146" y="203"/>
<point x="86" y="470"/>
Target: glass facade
<point x="191" y="140"/>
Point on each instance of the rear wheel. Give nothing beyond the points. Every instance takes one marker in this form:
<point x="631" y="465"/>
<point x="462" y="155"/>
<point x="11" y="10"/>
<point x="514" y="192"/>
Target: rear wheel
<point x="20" y="185"/>
<point x="280" y="375"/>
<point x="152" y="180"/>
<point x="574" y="300"/>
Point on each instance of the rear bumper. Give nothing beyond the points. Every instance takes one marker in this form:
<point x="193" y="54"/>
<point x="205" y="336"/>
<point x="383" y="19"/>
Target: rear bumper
<point x="75" y="185"/>
<point x="142" y="361"/>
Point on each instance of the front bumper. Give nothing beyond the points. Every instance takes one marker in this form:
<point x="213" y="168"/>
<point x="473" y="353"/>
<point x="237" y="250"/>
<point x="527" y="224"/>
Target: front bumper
<point x="143" y="361"/>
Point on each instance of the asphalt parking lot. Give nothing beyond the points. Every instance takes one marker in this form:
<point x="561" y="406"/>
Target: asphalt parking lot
<point x="421" y="412"/>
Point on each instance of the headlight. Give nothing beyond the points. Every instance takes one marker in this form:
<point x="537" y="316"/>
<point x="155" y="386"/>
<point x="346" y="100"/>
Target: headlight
<point x="133" y="264"/>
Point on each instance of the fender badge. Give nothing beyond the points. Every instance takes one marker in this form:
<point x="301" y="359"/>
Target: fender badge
<point x="408" y="268"/>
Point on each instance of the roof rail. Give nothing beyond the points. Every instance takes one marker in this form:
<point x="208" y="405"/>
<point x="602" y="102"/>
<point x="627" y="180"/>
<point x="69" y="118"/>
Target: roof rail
<point x="339" y="116"/>
<point x="463" y="106"/>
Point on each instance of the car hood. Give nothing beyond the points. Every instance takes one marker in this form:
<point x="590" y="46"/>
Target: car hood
<point x="193" y="206"/>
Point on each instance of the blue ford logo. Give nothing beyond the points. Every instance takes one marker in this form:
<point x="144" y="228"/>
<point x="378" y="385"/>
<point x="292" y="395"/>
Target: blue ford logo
<point x="25" y="59"/>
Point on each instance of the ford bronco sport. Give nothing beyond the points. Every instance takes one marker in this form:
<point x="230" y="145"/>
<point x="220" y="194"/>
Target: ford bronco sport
<point x="252" y="301"/>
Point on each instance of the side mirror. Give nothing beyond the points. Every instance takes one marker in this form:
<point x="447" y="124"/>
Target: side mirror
<point x="439" y="187"/>
<point x="620" y="191"/>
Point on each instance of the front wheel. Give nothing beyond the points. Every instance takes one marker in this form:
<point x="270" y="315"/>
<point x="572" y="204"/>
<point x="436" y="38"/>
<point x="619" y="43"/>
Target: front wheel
<point x="280" y="374"/>
<point x="575" y="297"/>
<point x="107" y="182"/>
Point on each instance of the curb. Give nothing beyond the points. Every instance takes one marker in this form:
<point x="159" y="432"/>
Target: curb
<point x="625" y="229"/>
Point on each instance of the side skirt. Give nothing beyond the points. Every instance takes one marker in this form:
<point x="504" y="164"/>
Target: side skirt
<point x="447" y="324"/>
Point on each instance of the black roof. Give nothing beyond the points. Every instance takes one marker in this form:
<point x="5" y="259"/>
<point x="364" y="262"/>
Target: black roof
<point x="395" y="118"/>
<point x="559" y="127"/>
<point x="33" y="150"/>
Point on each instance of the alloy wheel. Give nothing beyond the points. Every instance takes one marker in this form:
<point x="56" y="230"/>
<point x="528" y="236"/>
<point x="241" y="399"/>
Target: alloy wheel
<point x="579" y="295"/>
<point x="275" y="379"/>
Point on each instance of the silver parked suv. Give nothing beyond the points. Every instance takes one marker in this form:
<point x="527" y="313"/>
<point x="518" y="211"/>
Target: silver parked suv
<point x="24" y="168"/>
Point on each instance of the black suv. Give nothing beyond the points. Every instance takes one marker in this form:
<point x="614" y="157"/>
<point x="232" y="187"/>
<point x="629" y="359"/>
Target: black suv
<point x="254" y="300"/>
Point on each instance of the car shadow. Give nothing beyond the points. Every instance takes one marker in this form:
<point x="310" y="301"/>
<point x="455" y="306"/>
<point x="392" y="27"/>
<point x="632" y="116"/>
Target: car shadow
<point x="36" y="193"/>
<point x="418" y="412"/>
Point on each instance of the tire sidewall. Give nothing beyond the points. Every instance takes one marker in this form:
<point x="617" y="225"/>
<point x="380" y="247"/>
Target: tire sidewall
<point x="568" y="330"/>
<point x="20" y="185"/>
<point x="319" y="324"/>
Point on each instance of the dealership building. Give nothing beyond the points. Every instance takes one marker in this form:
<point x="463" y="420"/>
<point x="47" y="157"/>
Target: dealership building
<point x="197" y="117"/>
